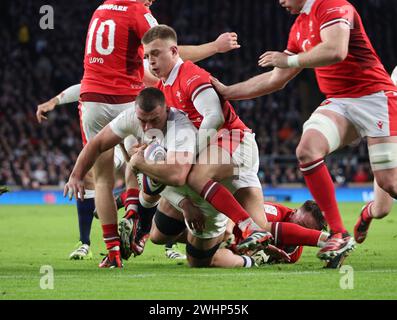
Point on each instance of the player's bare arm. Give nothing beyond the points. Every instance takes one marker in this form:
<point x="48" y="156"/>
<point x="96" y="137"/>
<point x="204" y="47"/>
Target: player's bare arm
<point x="224" y="43"/>
<point x="172" y="172"/>
<point x="104" y="141"/>
<point x="257" y="86"/>
<point x="69" y="95"/>
<point x="333" y="48"/>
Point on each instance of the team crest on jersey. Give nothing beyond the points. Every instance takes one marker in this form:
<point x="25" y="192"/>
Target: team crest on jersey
<point x="380" y="125"/>
<point x="270" y="209"/>
<point x="179" y="96"/>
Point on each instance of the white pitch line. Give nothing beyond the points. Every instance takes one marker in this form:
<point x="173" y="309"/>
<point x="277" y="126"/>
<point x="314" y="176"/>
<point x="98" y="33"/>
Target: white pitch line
<point x="248" y="274"/>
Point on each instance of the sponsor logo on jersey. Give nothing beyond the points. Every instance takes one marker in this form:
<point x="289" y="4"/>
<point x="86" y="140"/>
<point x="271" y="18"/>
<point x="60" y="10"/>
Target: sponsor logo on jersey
<point x="151" y="20"/>
<point x="113" y="7"/>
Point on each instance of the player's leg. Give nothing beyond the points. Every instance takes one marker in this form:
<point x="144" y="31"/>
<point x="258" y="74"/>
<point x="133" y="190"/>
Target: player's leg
<point x="383" y="157"/>
<point x="85" y="212"/>
<point x="215" y="164"/>
<point x="382" y="148"/>
<point x="377" y="209"/>
<point x="106" y="208"/>
<point x="284" y="233"/>
<point x="168" y="225"/>
<point x="325" y="132"/>
<point x="202" y="253"/>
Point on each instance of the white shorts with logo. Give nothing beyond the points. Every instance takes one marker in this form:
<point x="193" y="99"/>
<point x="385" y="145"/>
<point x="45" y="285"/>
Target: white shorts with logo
<point x="373" y="116"/>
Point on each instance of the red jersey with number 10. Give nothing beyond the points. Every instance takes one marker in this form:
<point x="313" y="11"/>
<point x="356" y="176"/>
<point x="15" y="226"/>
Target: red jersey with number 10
<point x="113" y="63"/>
<point x="362" y="72"/>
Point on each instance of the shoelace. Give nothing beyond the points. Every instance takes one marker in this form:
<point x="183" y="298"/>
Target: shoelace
<point x="82" y="249"/>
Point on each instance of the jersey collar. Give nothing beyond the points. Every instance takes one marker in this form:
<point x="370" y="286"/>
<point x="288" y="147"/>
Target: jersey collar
<point x="174" y="73"/>
<point x="307" y="8"/>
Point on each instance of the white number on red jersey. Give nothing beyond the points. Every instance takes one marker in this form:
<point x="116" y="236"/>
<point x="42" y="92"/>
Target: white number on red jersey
<point x="99" y="37"/>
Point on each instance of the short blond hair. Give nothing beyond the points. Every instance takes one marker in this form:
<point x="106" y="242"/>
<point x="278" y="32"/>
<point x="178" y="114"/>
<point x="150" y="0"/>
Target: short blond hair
<point x="162" y="32"/>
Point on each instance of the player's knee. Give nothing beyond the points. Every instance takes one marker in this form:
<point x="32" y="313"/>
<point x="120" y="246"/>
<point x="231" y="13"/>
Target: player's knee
<point x="382" y="213"/>
<point x="306" y="153"/>
<point x="389" y="185"/>
<point x="199" y="258"/>
<point x="165" y="228"/>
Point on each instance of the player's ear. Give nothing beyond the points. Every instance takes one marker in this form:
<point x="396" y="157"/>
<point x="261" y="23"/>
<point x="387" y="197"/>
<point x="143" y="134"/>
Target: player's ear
<point x="174" y="50"/>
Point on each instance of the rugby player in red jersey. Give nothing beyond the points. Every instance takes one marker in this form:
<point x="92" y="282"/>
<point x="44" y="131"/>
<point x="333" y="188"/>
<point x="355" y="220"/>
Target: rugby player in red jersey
<point x="113" y="77"/>
<point x="308" y="216"/>
<point x="232" y="145"/>
<point x="329" y="36"/>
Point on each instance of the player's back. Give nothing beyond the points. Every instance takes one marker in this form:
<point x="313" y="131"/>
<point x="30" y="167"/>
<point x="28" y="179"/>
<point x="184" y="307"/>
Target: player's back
<point x="113" y="62"/>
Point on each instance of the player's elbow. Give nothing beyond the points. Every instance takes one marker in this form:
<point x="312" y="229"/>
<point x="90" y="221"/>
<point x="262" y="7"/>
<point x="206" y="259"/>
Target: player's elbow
<point x="338" y="54"/>
<point x="279" y="85"/>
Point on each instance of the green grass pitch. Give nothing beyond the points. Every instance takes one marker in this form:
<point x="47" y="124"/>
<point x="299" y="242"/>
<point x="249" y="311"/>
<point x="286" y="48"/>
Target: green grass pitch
<point x="33" y="236"/>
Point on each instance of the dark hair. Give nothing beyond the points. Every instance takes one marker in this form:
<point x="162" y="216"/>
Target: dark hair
<point x="312" y="207"/>
<point x="149" y="99"/>
<point x="162" y="32"/>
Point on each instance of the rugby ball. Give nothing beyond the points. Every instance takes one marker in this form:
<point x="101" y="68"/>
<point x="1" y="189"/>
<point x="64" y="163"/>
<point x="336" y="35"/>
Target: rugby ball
<point x="154" y="152"/>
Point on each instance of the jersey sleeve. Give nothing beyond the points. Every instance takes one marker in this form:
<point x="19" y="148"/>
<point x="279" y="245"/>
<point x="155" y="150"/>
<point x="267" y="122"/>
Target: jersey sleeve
<point x="292" y="46"/>
<point x="144" y="21"/>
<point x="331" y="12"/>
<point x="194" y="80"/>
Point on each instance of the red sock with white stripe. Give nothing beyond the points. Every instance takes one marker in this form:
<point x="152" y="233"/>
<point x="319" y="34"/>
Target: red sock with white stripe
<point x="131" y="202"/>
<point x="223" y="201"/>
<point x="291" y="234"/>
<point x="322" y="188"/>
<point x="111" y="238"/>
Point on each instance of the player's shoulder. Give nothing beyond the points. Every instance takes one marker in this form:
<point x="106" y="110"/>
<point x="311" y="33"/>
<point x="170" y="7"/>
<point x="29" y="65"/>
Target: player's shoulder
<point x="189" y="67"/>
<point x="320" y="6"/>
<point x="191" y="73"/>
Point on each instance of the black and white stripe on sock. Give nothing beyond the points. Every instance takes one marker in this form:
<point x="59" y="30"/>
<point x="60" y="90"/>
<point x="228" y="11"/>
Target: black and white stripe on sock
<point x="248" y="262"/>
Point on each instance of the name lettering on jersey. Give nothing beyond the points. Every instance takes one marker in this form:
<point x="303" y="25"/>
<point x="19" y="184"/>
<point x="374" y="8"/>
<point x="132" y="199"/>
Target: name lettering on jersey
<point x="93" y="60"/>
<point x="113" y="7"/>
<point x="270" y="210"/>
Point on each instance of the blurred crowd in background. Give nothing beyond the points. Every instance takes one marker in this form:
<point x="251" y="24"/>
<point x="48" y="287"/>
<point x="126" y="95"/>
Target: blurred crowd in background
<point x="37" y="64"/>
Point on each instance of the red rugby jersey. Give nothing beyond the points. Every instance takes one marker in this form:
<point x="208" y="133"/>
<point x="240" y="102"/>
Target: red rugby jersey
<point x="362" y="72"/>
<point x="183" y="85"/>
<point x="113" y="63"/>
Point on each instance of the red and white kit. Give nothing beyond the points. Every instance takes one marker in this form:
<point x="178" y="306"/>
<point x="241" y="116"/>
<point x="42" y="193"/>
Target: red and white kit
<point x="113" y="63"/>
<point x="185" y="83"/>
<point x="277" y="213"/>
<point x="358" y="88"/>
